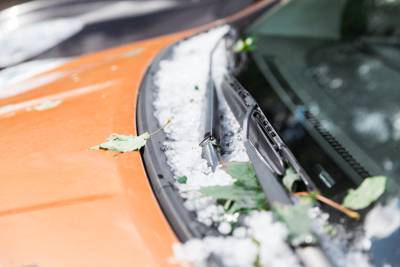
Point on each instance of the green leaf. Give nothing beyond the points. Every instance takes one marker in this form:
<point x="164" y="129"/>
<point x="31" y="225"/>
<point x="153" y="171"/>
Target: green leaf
<point x="225" y="192"/>
<point x="244" y="45"/>
<point x="367" y="193"/>
<point x="242" y="198"/>
<point x="243" y="174"/>
<point x="298" y="222"/>
<point x="243" y="195"/>
<point x="124" y="143"/>
<point x="182" y="179"/>
<point x="196" y="87"/>
<point x="290" y="178"/>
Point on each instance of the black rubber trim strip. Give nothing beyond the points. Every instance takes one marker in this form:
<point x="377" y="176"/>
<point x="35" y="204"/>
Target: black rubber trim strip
<point x="182" y="221"/>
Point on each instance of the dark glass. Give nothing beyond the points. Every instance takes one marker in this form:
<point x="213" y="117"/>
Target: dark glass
<point x="326" y="74"/>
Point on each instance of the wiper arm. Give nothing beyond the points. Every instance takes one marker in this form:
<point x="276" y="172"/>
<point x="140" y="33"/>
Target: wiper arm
<point x="210" y="127"/>
<point x="210" y="120"/>
<point x="268" y="153"/>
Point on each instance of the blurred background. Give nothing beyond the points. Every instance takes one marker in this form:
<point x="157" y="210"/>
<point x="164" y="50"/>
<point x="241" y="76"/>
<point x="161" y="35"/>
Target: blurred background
<point x="75" y="27"/>
<point x="39" y="35"/>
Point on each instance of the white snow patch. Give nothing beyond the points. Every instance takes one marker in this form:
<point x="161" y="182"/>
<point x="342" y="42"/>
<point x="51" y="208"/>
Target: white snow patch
<point x="373" y="124"/>
<point x="179" y="100"/>
<point x="176" y="98"/>
<point x="383" y="220"/>
<point x="271" y="235"/>
<point x="241" y="249"/>
<point x="181" y="86"/>
<point x="235" y="252"/>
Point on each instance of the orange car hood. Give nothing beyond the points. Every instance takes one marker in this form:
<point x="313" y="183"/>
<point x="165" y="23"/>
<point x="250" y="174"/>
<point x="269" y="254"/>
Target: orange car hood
<point x="62" y="204"/>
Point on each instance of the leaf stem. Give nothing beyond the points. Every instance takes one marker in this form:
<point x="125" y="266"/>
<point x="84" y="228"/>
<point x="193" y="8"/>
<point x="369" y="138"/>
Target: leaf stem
<point x="228" y="204"/>
<point x="161" y="128"/>
<point x="350" y="213"/>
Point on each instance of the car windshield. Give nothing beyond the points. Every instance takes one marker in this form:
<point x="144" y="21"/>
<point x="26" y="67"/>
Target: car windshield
<point x="334" y="65"/>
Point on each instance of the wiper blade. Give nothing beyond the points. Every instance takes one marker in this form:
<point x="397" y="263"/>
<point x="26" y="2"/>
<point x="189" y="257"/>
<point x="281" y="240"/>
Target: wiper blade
<point x="268" y="153"/>
<point x="265" y="169"/>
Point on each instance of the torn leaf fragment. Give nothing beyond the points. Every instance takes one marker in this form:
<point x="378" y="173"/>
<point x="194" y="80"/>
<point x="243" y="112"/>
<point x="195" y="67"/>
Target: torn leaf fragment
<point x="243" y="173"/>
<point x="290" y="178"/>
<point x="244" y="45"/>
<point x="367" y="193"/>
<point x="124" y="143"/>
<point x="182" y="179"/>
<point x="298" y="222"/>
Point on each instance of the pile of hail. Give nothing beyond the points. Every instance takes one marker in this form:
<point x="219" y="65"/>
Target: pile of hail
<point x="230" y="198"/>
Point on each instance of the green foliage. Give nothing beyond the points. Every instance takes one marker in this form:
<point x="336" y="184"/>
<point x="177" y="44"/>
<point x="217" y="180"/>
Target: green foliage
<point x="290" y="178"/>
<point x="123" y="143"/>
<point x="367" y="193"/>
<point x="182" y="179"/>
<point x="243" y="174"/>
<point x="241" y="198"/>
<point x="243" y="195"/>
<point x="298" y="222"/>
<point x="244" y="45"/>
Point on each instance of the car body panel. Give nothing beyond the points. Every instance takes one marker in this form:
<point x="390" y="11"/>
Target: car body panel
<point x="62" y="204"/>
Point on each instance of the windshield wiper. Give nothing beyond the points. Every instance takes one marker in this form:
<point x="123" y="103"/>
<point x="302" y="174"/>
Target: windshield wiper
<point x="269" y="156"/>
<point x="265" y="148"/>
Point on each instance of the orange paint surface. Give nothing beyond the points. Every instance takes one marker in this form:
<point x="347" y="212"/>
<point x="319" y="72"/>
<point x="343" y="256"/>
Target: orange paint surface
<point x="62" y="204"/>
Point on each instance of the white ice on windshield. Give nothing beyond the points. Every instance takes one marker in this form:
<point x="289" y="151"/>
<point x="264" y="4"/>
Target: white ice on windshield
<point x="383" y="220"/>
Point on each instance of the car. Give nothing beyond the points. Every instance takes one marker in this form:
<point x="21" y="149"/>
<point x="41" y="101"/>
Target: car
<point x="62" y="204"/>
<point x="268" y="142"/>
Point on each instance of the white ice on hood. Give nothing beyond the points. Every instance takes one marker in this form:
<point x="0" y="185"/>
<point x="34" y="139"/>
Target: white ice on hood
<point x="180" y="95"/>
<point x="181" y="85"/>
